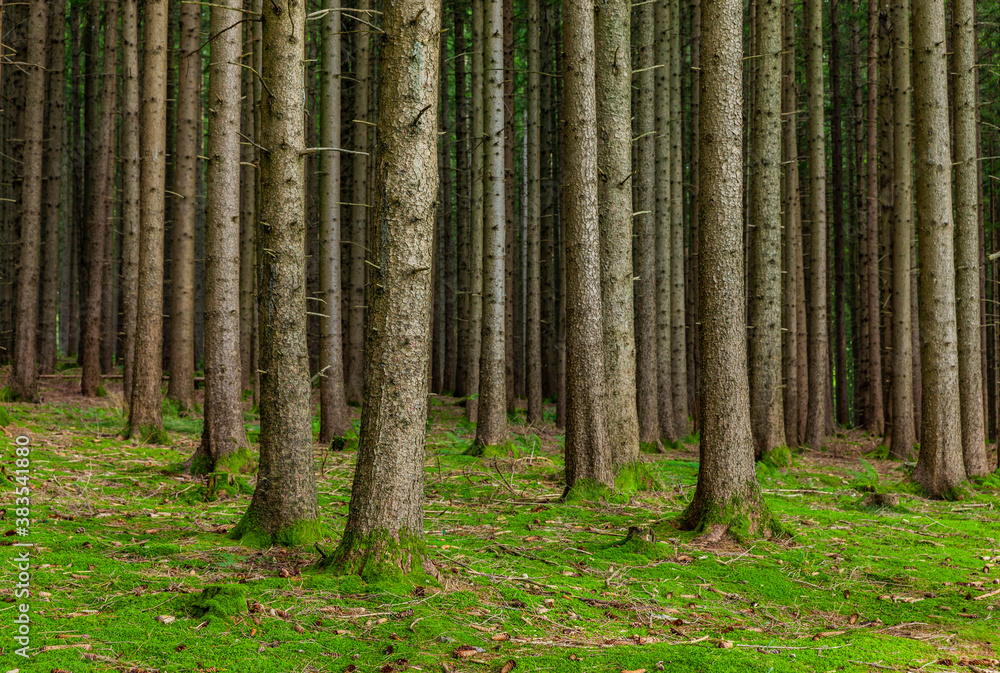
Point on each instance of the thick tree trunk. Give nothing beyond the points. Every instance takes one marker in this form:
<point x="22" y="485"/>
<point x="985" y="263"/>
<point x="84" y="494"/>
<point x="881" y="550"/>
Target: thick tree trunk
<point x="727" y="494"/>
<point x="182" y="266"/>
<point x="145" y="407"/>
<point x="967" y="240"/>
<point x="359" y="207"/>
<point x="793" y="232"/>
<point x="902" y="232"/>
<point x="224" y="443"/>
<point x="645" y="220"/>
<point x="52" y="201"/>
<point x="940" y="468"/>
<point x="385" y="521"/>
<point x="678" y="335"/>
<point x="819" y="372"/>
<point x="766" y="408"/>
<point x="130" y="187"/>
<point x="491" y="428"/>
<point x="533" y="308"/>
<point x="478" y="146"/>
<point x="102" y="210"/>
<point x="875" y="410"/>
<point x="24" y="377"/>
<point x="284" y="508"/>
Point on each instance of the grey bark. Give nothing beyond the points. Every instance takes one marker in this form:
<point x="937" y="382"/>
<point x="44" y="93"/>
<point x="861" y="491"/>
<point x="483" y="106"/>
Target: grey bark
<point x="533" y="308"/>
<point x="130" y="187"/>
<point x="477" y="147"/>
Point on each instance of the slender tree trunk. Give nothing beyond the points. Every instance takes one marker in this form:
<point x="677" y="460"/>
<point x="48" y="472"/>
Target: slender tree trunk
<point x="840" y="376"/>
<point x="101" y="210"/>
<point x="447" y="241"/>
<point x="359" y="208"/>
<point x="645" y="219"/>
<point x="509" y="192"/>
<point x="614" y="185"/>
<point x="533" y="310"/>
<point x="940" y="468"/>
<point x="182" y="291"/>
<point x="856" y="215"/>
<point x="52" y="175"/>
<point x="248" y="208"/>
<point x="694" y="324"/>
<point x="24" y="377"/>
<point x="678" y="336"/>
<point x="224" y="443"/>
<point x="73" y="222"/>
<point x="491" y="428"/>
<point x="766" y="410"/>
<point x="885" y="207"/>
<point x="476" y="261"/>
<point x="284" y="508"/>
<point x="967" y="240"/>
<point x="727" y="489"/>
<point x="875" y="411"/>
<point x="462" y="196"/>
<point x="818" y="342"/>
<point x="793" y="230"/>
<point x="130" y="187"/>
<point x="145" y="410"/>
<point x="664" y="279"/>
<point x="902" y="222"/>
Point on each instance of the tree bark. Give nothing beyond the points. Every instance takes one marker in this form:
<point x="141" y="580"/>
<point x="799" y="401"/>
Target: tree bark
<point x="248" y="207"/>
<point x="130" y="188"/>
<point x="284" y="508"/>
<point x="476" y="260"/>
<point x="694" y="197"/>
<point x="793" y="232"/>
<point x="533" y="309"/>
<point x="509" y="193"/>
<point x="818" y="342"/>
<point x="462" y="196"/>
<point x="145" y="410"/>
<point x="727" y="490"/>
<point x="491" y="428"/>
<point x="875" y="410"/>
<point x="678" y="336"/>
<point x="840" y="375"/>
<point x="614" y="169"/>
<point x="385" y="520"/>
<point x="967" y="240"/>
<point x="940" y="469"/>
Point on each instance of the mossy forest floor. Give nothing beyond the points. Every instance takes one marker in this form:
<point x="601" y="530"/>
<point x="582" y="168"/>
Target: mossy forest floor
<point x="124" y="549"/>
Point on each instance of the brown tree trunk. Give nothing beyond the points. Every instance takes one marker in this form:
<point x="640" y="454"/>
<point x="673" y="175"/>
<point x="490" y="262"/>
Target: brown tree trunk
<point x="284" y="508"/>
<point x="875" y="410"/>
<point x="678" y="336"/>
<point x="145" y="407"/>
<point x="476" y="261"/>
<point x="940" y="469"/>
<point x="885" y="163"/>
<point x="463" y="181"/>
<point x="793" y="233"/>
<point x="664" y="279"/>
<point x="840" y="376"/>
<point x="130" y="187"/>
<point x="694" y="324"/>
<point x="509" y="192"/>
<point x="248" y="208"/>
<point x="533" y="310"/>
<point x="727" y="489"/>
<point x="385" y="520"/>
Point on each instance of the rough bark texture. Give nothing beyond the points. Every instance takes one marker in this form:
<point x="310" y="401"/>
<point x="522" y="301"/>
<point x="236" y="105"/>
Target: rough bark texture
<point x="533" y="308"/>
<point x="478" y="145"/>
<point x="284" y="508"/>
<point x="462" y="188"/>
<point x="940" y="468"/>
<point x="588" y="459"/>
<point x="52" y="201"/>
<point x="224" y="443"/>
<point x="766" y="405"/>
<point x="385" y="520"/>
<point x="840" y="376"/>
<point x="101" y="211"/>
<point x="614" y="167"/>
<point x="182" y="265"/>
<point x="678" y="336"/>
<point x="885" y="209"/>
<point x="727" y="496"/>
<point x="24" y="377"/>
<point x="794" y="431"/>
<point x="130" y="187"/>
<point x="248" y="210"/>
<point x="509" y="193"/>
<point x="903" y="437"/>
<point x="645" y="233"/>
<point x="491" y="428"/>
<point x="694" y="327"/>
<point x="819" y="363"/>
<point x="145" y="411"/>
<point x="967" y="240"/>
<point x="875" y="410"/>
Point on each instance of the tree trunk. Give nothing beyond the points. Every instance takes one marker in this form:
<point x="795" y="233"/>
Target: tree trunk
<point x="130" y="187"/>
<point x="52" y="202"/>
<point x="793" y="232"/>
<point x="875" y="411"/>
<point x="478" y="145"/>
<point x="533" y="309"/>
<point x="462" y="298"/>
<point x="509" y="192"/>
<point x="694" y="324"/>
<point x="940" y="468"/>
<point x="885" y="210"/>
<point x="248" y="208"/>
<point x="614" y="168"/>
<point x="284" y="508"/>
<point x="224" y="445"/>
<point x="101" y="210"/>
<point x="359" y="208"/>
<point x="491" y="428"/>
<point x="967" y="240"/>
<point x="24" y="377"/>
<point x="727" y="494"/>
<point x="818" y="342"/>
<point x="840" y="376"/>
<point x="182" y="265"/>
<point x="646" y="328"/>
<point x="385" y="520"/>
<point x="902" y="232"/>
<point x="664" y="279"/>
<point x="678" y="336"/>
<point x="145" y="410"/>
<point x="447" y="240"/>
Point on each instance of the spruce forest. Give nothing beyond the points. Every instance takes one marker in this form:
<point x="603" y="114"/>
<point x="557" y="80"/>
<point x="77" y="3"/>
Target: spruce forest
<point x="499" y="335"/>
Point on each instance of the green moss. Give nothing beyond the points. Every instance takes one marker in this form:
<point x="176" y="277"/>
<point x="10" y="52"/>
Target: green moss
<point x="149" y="434"/>
<point x="250" y="533"/>
<point x="508" y="450"/>
<point x="744" y="519"/>
<point x="588" y="490"/>
<point x="780" y="457"/>
<point x="4" y="417"/>
<point x="380" y="557"/>
<point x="650" y="447"/>
<point x="7" y="395"/>
<point x="344" y="443"/>
<point x="636" y="477"/>
<point x="101" y="390"/>
<point x="638" y="542"/>
<point x="232" y="463"/>
<point x="221" y="601"/>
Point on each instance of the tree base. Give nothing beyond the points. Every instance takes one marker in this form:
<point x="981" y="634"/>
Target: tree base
<point x="148" y="434"/>
<point x="636" y="476"/>
<point x="741" y="519"/>
<point x="382" y="556"/>
<point x="250" y="533"/>
<point x="233" y="463"/>
<point x="508" y="450"/>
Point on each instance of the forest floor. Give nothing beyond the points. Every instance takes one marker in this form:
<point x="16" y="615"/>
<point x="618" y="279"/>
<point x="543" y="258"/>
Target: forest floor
<point x="123" y="548"/>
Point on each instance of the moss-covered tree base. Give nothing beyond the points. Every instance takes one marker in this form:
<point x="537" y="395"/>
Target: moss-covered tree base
<point x="382" y="556"/>
<point x="148" y="434"/>
<point x="642" y="542"/>
<point x="740" y="519"/>
<point x="651" y="447"/>
<point x="221" y="601"/>
<point x="250" y="533"/>
<point x="236" y="462"/>
<point x="635" y="477"/>
<point x="508" y="450"/>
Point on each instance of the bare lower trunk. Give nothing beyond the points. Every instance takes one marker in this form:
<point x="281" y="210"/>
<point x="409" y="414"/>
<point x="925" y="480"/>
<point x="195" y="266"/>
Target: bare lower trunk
<point x="875" y="410"/>
<point x="533" y="309"/>
<point x="463" y="182"/>
<point x="678" y="335"/>
<point x="130" y="187"/>
<point x="248" y="206"/>
<point x="478" y="146"/>
<point x="793" y="234"/>
<point x="841" y="379"/>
